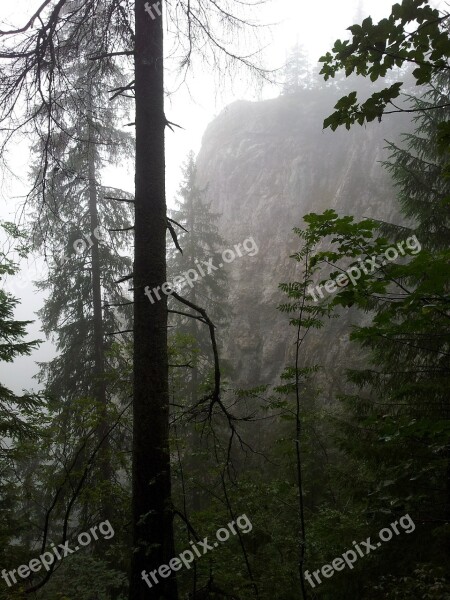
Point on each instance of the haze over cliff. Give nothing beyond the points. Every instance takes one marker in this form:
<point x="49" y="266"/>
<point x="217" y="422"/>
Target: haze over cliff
<point x="264" y="165"/>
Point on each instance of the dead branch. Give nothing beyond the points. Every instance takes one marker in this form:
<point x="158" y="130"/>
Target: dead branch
<point x="120" y="332"/>
<point x="75" y="495"/>
<point x="215" y="397"/>
<point x="122" y="229"/>
<point x="177" y="224"/>
<point x="126" y="278"/>
<point x="173" y="233"/>
<point x="119" y="199"/>
<point x="109" y="54"/>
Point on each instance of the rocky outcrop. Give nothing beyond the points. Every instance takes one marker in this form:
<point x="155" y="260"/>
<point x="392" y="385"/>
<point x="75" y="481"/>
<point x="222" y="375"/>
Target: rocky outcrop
<point x="264" y="166"/>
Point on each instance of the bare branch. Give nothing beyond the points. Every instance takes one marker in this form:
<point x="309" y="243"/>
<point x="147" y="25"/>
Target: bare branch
<point x="120" y="332"/>
<point x="126" y="278"/>
<point x="119" y="199"/>
<point x="174" y="236"/>
<point x="109" y="54"/>
<point x="178" y="225"/>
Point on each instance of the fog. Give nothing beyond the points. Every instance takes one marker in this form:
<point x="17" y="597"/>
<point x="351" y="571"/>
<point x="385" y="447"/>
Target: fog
<point x="270" y="386"/>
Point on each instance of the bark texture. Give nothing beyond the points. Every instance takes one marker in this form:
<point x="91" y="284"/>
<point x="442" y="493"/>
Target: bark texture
<point x="152" y="509"/>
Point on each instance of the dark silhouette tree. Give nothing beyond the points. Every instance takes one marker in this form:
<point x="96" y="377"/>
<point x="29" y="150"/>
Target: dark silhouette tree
<point x="16" y="411"/>
<point x="36" y="60"/>
<point x="20" y="420"/>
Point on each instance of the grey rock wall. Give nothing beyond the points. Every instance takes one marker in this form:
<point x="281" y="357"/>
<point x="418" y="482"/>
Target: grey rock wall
<point x="264" y="166"/>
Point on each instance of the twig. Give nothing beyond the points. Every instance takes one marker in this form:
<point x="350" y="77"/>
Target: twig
<point x="108" y="54"/>
<point x="178" y="225"/>
<point x="119" y="199"/>
<point x="119" y="332"/>
<point x="126" y="278"/>
<point x="123" y="229"/>
<point x="173" y="233"/>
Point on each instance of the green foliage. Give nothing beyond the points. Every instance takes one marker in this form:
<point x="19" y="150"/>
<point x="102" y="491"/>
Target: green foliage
<point x="419" y="167"/>
<point x="199" y="239"/>
<point x="90" y="140"/>
<point x="21" y="416"/>
<point x="414" y="33"/>
<point x="400" y="408"/>
<point x="424" y="583"/>
<point x="394" y="428"/>
<point x="84" y="577"/>
<point x="75" y="470"/>
<point x="16" y="412"/>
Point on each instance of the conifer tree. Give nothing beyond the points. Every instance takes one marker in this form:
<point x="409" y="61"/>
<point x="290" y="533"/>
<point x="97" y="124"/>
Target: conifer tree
<point x="19" y="414"/>
<point x="35" y="63"/>
<point x="418" y="167"/>
<point x="400" y="413"/>
<point x="297" y="71"/>
<point x="82" y="229"/>
<point x="410" y="334"/>
<point x="16" y="411"/>
<point x="200" y="241"/>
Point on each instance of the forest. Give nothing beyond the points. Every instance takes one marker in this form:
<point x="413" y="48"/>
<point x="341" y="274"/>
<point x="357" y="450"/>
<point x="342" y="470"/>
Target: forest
<point x="225" y="340"/>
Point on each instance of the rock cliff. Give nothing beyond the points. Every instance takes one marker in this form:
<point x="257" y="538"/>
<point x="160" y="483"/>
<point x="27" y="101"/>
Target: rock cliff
<point x="264" y="165"/>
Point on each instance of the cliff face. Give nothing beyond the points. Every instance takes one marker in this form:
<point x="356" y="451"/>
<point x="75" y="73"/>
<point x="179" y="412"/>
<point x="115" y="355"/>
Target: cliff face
<point x="265" y="165"/>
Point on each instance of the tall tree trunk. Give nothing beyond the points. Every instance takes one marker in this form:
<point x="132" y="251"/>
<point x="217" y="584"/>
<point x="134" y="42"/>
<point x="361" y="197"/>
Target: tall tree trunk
<point x="98" y="329"/>
<point x="151" y="501"/>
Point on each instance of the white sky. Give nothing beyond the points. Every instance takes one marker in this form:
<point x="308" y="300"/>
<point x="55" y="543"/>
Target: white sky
<point x="316" y="25"/>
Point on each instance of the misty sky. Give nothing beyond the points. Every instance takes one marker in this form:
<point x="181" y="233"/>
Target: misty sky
<point x="315" y="25"/>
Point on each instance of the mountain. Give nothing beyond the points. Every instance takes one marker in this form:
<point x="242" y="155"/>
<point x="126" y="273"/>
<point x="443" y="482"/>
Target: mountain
<point x="263" y="166"/>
